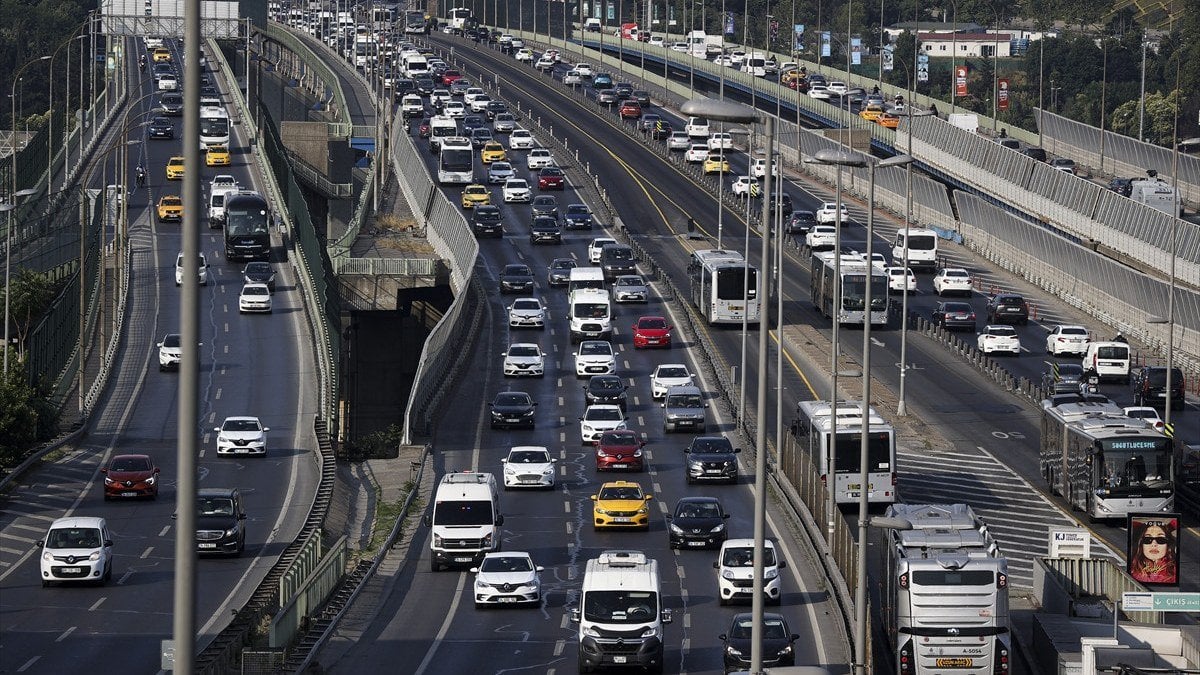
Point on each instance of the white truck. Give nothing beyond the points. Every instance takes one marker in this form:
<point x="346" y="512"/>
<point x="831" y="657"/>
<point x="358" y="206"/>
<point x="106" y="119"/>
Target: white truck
<point x="701" y="44"/>
<point x="620" y="614"/>
<point x="1157" y="194"/>
<point x="465" y="520"/>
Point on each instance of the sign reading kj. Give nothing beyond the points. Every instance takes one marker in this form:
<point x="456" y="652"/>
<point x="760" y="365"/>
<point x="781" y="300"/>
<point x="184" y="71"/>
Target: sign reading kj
<point x="1161" y="602"/>
<point x="1073" y="542"/>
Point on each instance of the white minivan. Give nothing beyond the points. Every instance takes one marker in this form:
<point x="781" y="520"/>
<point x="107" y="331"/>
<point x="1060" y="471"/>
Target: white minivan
<point x="697" y="127"/>
<point x="1107" y="361"/>
<point x="77" y="550"/>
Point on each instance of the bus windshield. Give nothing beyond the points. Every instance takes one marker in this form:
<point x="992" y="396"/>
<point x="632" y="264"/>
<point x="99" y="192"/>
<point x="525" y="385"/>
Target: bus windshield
<point x="732" y="283"/>
<point x="242" y="222"/>
<point x="849" y="452"/>
<point x="1134" y="463"/>
<point x="456" y="160"/>
<point x="855" y="288"/>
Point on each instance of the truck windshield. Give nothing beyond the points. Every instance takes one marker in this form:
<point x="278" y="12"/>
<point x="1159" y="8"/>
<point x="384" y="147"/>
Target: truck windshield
<point x="463" y="513"/>
<point x="620" y="606"/>
<point x="588" y="310"/>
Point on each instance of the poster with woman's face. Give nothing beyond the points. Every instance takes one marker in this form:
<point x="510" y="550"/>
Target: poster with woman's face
<point x="1154" y="549"/>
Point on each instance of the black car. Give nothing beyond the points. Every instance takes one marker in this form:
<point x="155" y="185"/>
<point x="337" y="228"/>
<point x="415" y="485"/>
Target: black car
<point x="606" y="389"/>
<point x="662" y="131"/>
<point x="648" y="122"/>
<point x="778" y="642"/>
<point x="559" y="272"/>
<point x="641" y="96"/>
<point x="623" y="90"/>
<point x="161" y="127"/>
<point x="697" y="522"/>
<point x="1121" y="186"/>
<point x="516" y="278"/>
<point x="1063" y="378"/>
<point x="954" y="316"/>
<point x="209" y="90"/>
<point x="785" y="206"/>
<point x="711" y="458"/>
<point x="545" y="205"/>
<point x="800" y="222"/>
<point x="171" y="104"/>
<point x="471" y="123"/>
<point x="220" y="521"/>
<point x="512" y="409"/>
<point x="1150" y="387"/>
<point x="545" y="230"/>
<point x="403" y="86"/>
<point x="424" y="85"/>
<point x="493" y="108"/>
<point x="480" y="137"/>
<point x="1034" y="152"/>
<point x="578" y="217"/>
<point x="259" y="273"/>
<point x="1007" y="308"/>
<point x="487" y="221"/>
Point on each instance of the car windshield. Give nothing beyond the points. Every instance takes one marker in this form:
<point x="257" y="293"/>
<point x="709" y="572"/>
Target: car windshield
<point x="529" y="457"/>
<point x="618" y="438"/>
<point x="605" y="384"/>
<point x="712" y="445"/>
<point x="686" y="401"/>
<point x="621" y="492"/>
<point x="258" y="268"/>
<point x="506" y="563"/>
<point x="629" y="281"/>
<point x="1072" y="330"/>
<point x="73" y="537"/>
<point x="512" y="399"/>
<point x="214" y="506"/>
<point x="475" y="512"/>
<point x="743" y="556"/>
<point x="130" y="464"/>
<point x="560" y="264"/>
<point x="517" y="271"/>
<point x="240" y="425"/>
<point x="956" y="273"/>
<point x="673" y="371"/>
<point x="595" y="349"/>
<point x="620" y="606"/>
<point x="773" y="629"/>
<point x="516" y="185"/>
<point x="522" y="350"/>
<point x="1002" y="331"/>
<point x="527" y="304"/>
<point x="171" y="341"/>
<point x="652" y="323"/>
<point x="698" y="510"/>
<point x="604" y="415"/>
<point x="256" y="290"/>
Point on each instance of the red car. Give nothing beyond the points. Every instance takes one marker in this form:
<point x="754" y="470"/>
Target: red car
<point x="631" y="110"/>
<point x="620" y="449"/>
<point x="651" y="331"/>
<point x="449" y="76"/>
<point x="551" y="178"/>
<point x="130" y="476"/>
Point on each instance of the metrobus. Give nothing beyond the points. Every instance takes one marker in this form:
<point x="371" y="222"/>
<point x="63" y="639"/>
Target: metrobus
<point x="815" y="432"/>
<point x="415" y="22"/>
<point x="456" y="161"/>
<point x="366" y="52"/>
<point x="459" y="17"/>
<point x="247" y="226"/>
<point x="214" y="126"/>
<point x="850" y="278"/>
<point x="724" y="287"/>
<point x="1104" y="463"/>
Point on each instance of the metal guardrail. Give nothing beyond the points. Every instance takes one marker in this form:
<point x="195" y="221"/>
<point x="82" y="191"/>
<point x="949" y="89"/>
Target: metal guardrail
<point x="1075" y="578"/>
<point x="385" y="266"/>
<point x="281" y="34"/>
<point x="318" y="179"/>
<point x="306" y="587"/>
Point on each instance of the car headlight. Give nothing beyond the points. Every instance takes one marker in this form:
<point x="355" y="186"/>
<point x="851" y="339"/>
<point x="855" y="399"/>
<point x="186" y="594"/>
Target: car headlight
<point x="718" y="528"/>
<point x="727" y="574"/>
<point x="497" y="414"/>
<point x="787" y="649"/>
<point x="94" y="556"/>
<point x="732" y="651"/>
<point x="591" y="632"/>
<point x="600" y="511"/>
<point x="509" y="471"/>
<point x="232" y="531"/>
<point x="152" y="480"/>
<point x="675" y="529"/>
<point x="695" y="464"/>
<point x="437" y="541"/>
<point x="637" y="453"/>
<point x="587" y="428"/>
<point x="481" y="586"/>
<point x="770" y="573"/>
<point x="548" y="471"/>
<point x="650" y="632"/>
<point x="487" y="541"/>
<point x="645" y="508"/>
<point x="108" y="481"/>
<point x="47" y="556"/>
<point x="222" y="439"/>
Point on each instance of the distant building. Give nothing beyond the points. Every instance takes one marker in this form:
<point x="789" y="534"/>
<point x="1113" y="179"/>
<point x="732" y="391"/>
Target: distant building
<point x="963" y="45"/>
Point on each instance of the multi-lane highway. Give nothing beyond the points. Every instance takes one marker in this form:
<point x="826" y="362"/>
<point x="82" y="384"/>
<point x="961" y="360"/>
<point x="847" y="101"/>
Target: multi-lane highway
<point x="250" y="365"/>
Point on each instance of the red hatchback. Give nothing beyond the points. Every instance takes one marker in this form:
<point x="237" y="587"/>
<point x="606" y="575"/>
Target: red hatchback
<point x="620" y="450"/>
<point x="130" y="476"/>
<point x="551" y="178"/>
<point x="651" y="331"/>
<point x="449" y="76"/>
<point x="631" y="110"/>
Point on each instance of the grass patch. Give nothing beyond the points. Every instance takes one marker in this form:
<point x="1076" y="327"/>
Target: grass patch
<point x="386" y="515"/>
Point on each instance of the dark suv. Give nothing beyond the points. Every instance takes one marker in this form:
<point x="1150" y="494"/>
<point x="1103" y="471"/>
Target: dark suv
<point x="220" y="521"/>
<point x="606" y="389"/>
<point x="711" y="458"/>
<point x="1007" y="308"/>
<point x="1150" y="387"/>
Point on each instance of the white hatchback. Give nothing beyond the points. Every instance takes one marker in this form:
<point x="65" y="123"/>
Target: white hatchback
<point x="572" y="77"/>
<point x="669" y="375"/>
<point x="697" y="153"/>
<point x="520" y="139"/>
<point x="720" y="140"/>
<point x="996" y="338"/>
<point x="595" y="357"/>
<point x="596" y="246"/>
<point x="821" y="237"/>
<point x="828" y="213"/>
<point x="598" y="419"/>
<point x="254" y="298"/>
<point x="528" y="466"/>
<point x="952" y="280"/>
<point x="179" y="270"/>
<point x="540" y="158"/>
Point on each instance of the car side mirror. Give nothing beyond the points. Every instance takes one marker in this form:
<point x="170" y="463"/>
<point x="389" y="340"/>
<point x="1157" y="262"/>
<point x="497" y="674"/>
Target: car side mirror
<point x="575" y="615"/>
<point x="266" y="429"/>
<point x="593" y="497"/>
<point x="781" y="563"/>
<point x="504" y="460"/>
<point x="105" y="470"/>
<point x="474" y="570"/>
<point x="157" y="470"/>
<point x="217" y="429"/>
<point x="725" y="516"/>
<point x="722" y="637"/>
<point x="499" y="520"/>
<point x="669" y="516"/>
<point x="716" y="565"/>
<point x="553" y="460"/>
<point x="737" y="450"/>
<point x="425" y="520"/>
<point x="648" y="497"/>
<point x="666" y="616"/>
<point x="40" y="543"/>
<point x="108" y="543"/>
<point x="662" y="405"/>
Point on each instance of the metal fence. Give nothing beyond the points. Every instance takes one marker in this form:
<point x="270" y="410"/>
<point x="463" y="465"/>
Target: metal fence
<point x="305" y="586"/>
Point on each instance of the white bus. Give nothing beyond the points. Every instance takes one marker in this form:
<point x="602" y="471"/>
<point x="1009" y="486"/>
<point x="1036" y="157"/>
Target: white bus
<point x="214" y="126"/>
<point x="415" y="22"/>
<point x="850" y="277"/>
<point x="814" y="430"/>
<point x="456" y="161"/>
<point x="366" y="52"/>
<point x="458" y="18"/>
<point x="724" y="287"/>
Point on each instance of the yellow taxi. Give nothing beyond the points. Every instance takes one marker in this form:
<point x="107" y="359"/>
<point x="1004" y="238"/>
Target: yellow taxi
<point x="170" y="207"/>
<point x="621" y="505"/>
<point x="871" y="113"/>
<point x="493" y="151"/>
<point x="175" y="168"/>
<point x="889" y="120"/>
<point x="161" y="55"/>
<point x="217" y="155"/>
<point x="476" y="195"/>
<point x="715" y="164"/>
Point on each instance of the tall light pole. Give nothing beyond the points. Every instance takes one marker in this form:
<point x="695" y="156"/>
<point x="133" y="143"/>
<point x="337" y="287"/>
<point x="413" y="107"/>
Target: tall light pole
<point x="66" y="109"/>
<point x="734" y="112"/>
<point x="909" y="113"/>
<point x="1142" y="94"/>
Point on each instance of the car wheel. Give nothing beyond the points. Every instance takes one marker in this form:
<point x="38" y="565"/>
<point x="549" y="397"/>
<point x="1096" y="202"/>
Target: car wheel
<point x="722" y="601"/>
<point x="433" y="565"/>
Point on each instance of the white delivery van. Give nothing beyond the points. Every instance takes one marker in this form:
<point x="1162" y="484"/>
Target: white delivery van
<point x="697" y="127"/>
<point x="585" y="277"/>
<point x="620" y="614"/>
<point x="440" y="127"/>
<point x="411" y="105"/>
<point x="1107" y="361"/>
<point x="735" y="572"/>
<point x="77" y="550"/>
<point x="216" y="203"/>
<point x="922" y="245"/>
<point x="465" y="520"/>
<point x="590" y="313"/>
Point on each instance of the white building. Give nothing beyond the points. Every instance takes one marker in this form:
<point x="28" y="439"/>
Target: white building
<point x="964" y="45"/>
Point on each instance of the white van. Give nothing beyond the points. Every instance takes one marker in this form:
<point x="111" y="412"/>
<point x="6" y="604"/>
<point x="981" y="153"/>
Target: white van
<point x="585" y="277"/>
<point x="697" y="127"/>
<point x="590" y="314"/>
<point x="735" y="572"/>
<point x="755" y="64"/>
<point x="466" y="520"/>
<point x="411" y="105"/>
<point x="620" y="614"/>
<point x="1107" y="361"/>
<point x="922" y="245"/>
<point x="216" y="202"/>
<point x="77" y="550"/>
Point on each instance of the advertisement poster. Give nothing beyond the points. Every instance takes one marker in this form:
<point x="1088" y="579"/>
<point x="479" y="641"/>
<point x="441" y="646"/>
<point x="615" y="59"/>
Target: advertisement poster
<point x="612" y="11"/>
<point x="798" y="37"/>
<point x="889" y="58"/>
<point x="1002" y="93"/>
<point x="1153" y="550"/>
<point x="922" y="67"/>
<point x="856" y="51"/>
<point x="960" y="81"/>
<point x="729" y="30"/>
<point x="825" y="38"/>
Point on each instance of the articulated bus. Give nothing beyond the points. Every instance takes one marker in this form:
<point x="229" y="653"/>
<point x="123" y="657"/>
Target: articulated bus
<point x="214" y="126"/>
<point x="814" y="430"/>
<point x="851" y="278"/>
<point x="724" y="287"/>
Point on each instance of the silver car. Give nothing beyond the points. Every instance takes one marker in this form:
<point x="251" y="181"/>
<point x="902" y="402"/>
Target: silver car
<point x="504" y="123"/>
<point x="499" y="172"/>
<point x="679" y="140"/>
<point x="630" y="288"/>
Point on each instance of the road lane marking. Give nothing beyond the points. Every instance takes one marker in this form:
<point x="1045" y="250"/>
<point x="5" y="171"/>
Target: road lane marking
<point x="27" y="664"/>
<point x="97" y="604"/>
<point x="66" y="633"/>
<point x="146" y="553"/>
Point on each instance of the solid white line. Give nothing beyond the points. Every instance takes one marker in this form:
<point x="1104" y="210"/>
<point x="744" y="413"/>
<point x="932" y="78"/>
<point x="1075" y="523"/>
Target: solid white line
<point x="445" y="628"/>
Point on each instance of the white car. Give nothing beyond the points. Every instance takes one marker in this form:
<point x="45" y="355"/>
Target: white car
<point x="901" y="279"/>
<point x="167" y="83"/>
<point x="241" y="436"/>
<point x="439" y="97"/>
<point x="735" y="572"/>
<point x="820" y="92"/>
<point x="679" y="47"/>
<point x="572" y="77"/>
<point x="526" y="313"/>
<point x="454" y="110"/>
<point x="656" y="41"/>
<point x="669" y="375"/>
<point x="520" y="139"/>
<point x="952" y="280"/>
<point x="499" y="173"/>
<point x="596" y="246"/>
<point x="179" y="269"/>
<point x="878" y="259"/>
<point x="1148" y="414"/>
<point x="254" y="298"/>
<point x="598" y="419"/>
<point x="170" y="352"/>
<point x="524" y="55"/>
<point x="77" y="550"/>
<point x="724" y="60"/>
<point x="678" y="140"/>
<point x="472" y="93"/>
<point x="720" y="140"/>
<point x="698" y="152"/>
<point x="222" y="182"/>
<point x="515" y="190"/>
<point x="828" y="213"/>
<point x="480" y="103"/>
<point x="1068" y="339"/>
<point x="995" y="338"/>
<point x="528" y="466"/>
<point x="837" y="87"/>
<point x="540" y="158"/>
<point x="524" y="359"/>
<point x="544" y="63"/>
<point x="746" y="186"/>
<point x="821" y="237"/>
<point x="595" y="357"/>
<point x="507" y="578"/>
<point x="584" y="69"/>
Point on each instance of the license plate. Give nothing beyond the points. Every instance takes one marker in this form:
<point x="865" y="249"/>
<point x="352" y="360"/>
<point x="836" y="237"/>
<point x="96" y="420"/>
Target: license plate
<point x="961" y="662"/>
<point x="622" y="520"/>
<point x="620" y="466"/>
<point x="853" y="486"/>
<point x="129" y="494"/>
<point x="464" y="559"/>
<point x="696" y="543"/>
<point x="712" y="471"/>
<point x="507" y="599"/>
<point x="70" y="570"/>
<point x="208" y="545"/>
<point x="620" y="659"/>
<point x="735" y="308"/>
<point x="513" y="419"/>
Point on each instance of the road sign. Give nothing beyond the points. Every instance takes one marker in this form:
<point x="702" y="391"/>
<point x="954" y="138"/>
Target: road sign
<point x="1161" y="602"/>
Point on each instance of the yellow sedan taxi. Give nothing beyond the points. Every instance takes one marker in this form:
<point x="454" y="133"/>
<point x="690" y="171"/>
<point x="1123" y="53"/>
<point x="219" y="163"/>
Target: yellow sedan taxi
<point x="871" y="113"/>
<point x="476" y="195"/>
<point x="493" y="151"/>
<point x="170" y="207"/>
<point x="175" y="168"/>
<point x="217" y="155"/>
<point x="161" y="55"/>
<point x="621" y="505"/>
<point x="715" y="164"/>
<point x="889" y="120"/>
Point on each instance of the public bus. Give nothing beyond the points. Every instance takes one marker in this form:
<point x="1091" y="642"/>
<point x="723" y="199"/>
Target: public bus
<point x="724" y="287"/>
<point x="1104" y="463"/>
<point x="247" y="226"/>
<point x="415" y="22"/>
<point x="214" y="126"/>
<point x="459" y="17"/>
<point x="827" y="278"/>
<point x="815" y="434"/>
<point x="456" y="161"/>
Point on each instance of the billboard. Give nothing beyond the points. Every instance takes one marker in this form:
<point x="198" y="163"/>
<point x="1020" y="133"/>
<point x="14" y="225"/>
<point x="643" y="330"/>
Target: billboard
<point x="1002" y="93"/>
<point x="798" y="38"/>
<point x="1153" y="548"/>
<point x="825" y="43"/>
<point x="960" y="81"/>
<point x="856" y="51"/>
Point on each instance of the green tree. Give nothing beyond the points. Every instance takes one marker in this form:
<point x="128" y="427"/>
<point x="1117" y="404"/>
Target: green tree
<point x="32" y="293"/>
<point x="18" y="417"/>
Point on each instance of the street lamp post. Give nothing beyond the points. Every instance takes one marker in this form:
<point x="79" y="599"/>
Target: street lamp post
<point x="734" y="112"/>
<point x="66" y="108"/>
<point x="909" y="112"/>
